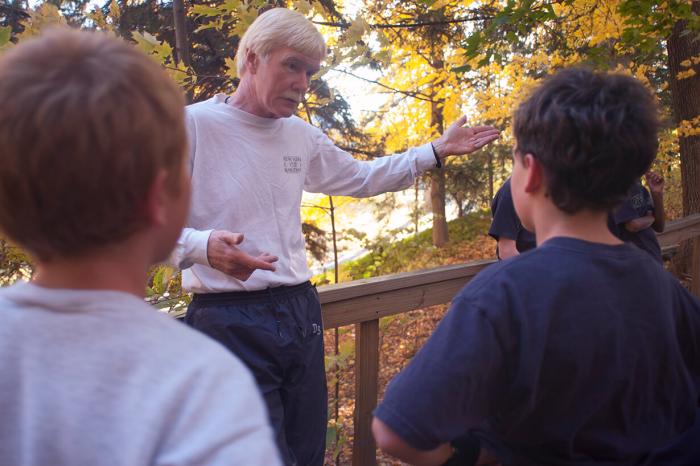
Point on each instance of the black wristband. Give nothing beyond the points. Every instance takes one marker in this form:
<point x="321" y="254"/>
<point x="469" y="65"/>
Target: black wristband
<point x="438" y="162"/>
<point x="466" y="451"/>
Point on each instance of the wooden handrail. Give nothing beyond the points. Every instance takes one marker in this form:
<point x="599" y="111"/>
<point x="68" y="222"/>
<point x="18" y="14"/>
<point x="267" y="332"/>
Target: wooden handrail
<point x="680" y="230"/>
<point x="369" y="299"/>
<point x="364" y="302"/>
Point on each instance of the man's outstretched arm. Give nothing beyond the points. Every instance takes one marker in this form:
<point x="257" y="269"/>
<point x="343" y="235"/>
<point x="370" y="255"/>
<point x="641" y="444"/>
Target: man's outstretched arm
<point x="335" y="172"/>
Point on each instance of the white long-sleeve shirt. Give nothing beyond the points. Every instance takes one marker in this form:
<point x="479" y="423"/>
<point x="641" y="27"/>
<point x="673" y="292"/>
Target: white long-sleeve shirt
<point x="248" y="175"/>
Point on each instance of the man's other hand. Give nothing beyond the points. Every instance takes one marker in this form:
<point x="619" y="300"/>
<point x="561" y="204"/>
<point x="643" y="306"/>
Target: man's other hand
<point x="224" y="256"/>
<point x="655" y="182"/>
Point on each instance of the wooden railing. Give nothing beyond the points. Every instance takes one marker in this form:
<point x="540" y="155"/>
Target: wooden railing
<point x="364" y="302"/>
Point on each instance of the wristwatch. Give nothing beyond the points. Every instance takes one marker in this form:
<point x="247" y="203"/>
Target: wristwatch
<point x="438" y="162"/>
<point x="465" y="451"/>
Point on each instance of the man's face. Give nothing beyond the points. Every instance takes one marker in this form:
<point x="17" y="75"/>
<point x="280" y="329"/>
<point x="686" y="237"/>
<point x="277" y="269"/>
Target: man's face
<point x="280" y="81"/>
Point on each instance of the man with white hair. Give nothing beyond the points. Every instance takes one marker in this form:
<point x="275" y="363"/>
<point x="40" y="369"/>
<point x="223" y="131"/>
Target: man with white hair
<point x="251" y="158"/>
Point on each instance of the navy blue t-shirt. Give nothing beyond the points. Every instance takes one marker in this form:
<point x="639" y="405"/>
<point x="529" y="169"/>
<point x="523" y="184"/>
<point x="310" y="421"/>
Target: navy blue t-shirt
<point x="637" y="205"/>
<point x="573" y="353"/>
<point x="506" y="223"/>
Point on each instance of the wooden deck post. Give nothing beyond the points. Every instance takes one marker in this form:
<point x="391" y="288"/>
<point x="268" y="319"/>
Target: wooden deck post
<point x="695" y="268"/>
<point x="366" y="383"/>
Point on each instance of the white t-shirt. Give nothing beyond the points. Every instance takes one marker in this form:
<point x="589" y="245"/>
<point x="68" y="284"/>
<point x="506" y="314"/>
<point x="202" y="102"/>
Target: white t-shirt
<point x="93" y="378"/>
<point x="248" y="174"/>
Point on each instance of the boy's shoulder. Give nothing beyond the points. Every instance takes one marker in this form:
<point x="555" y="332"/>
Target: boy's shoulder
<point x="109" y="319"/>
<point x="147" y="372"/>
<point x="497" y="277"/>
<point x="561" y="262"/>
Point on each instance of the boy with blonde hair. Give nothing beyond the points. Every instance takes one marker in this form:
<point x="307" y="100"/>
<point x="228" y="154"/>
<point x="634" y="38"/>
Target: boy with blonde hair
<point x="94" y="186"/>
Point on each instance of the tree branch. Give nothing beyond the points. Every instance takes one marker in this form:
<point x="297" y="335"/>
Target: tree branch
<point x="477" y="16"/>
<point x="14" y="9"/>
<point x="415" y="95"/>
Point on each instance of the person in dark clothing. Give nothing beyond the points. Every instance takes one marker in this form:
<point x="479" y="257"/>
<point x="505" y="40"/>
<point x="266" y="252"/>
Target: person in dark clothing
<point x="512" y="238"/>
<point x="556" y="356"/>
<point x="639" y="216"/>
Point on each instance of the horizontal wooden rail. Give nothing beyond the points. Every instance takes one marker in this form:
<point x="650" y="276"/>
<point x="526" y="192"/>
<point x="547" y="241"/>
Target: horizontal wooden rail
<point x="680" y="230"/>
<point x="369" y="299"/>
<point x="364" y="302"/>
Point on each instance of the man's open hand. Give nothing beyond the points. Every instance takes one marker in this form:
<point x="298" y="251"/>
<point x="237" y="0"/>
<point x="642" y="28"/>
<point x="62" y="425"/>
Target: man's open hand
<point x="459" y="139"/>
<point x="224" y="256"/>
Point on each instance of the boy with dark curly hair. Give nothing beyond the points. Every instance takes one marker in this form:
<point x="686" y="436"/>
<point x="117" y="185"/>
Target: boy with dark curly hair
<point x="582" y="351"/>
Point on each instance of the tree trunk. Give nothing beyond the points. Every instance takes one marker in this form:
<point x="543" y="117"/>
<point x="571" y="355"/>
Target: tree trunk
<point x="181" y="45"/>
<point x="416" y="208"/>
<point x="490" y="159"/>
<point x="490" y="152"/>
<point x="182" y="48"/>
<point x="685" y="98"/>
<point x="437" y="178"/>
<point x="335" y="239"/>
<point x="437" y="201"/>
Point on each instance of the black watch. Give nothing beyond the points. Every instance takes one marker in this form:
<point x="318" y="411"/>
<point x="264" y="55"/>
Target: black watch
<point x="465" y="451"/>
<point x="438" y="162"/>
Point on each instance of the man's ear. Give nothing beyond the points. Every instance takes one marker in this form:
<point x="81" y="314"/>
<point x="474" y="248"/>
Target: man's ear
<point x="251" y="61"/>
<point x="534" y="173"/>
<point x="156" y="200"/>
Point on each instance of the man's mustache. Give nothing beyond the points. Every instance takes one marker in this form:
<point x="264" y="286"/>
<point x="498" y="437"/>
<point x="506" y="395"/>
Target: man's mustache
<point x="296" y="98"/>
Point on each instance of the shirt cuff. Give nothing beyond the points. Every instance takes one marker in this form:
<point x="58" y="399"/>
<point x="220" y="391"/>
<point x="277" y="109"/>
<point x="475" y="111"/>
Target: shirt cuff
<point x="198" y="242"/>
<point x="425" y="159"/>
